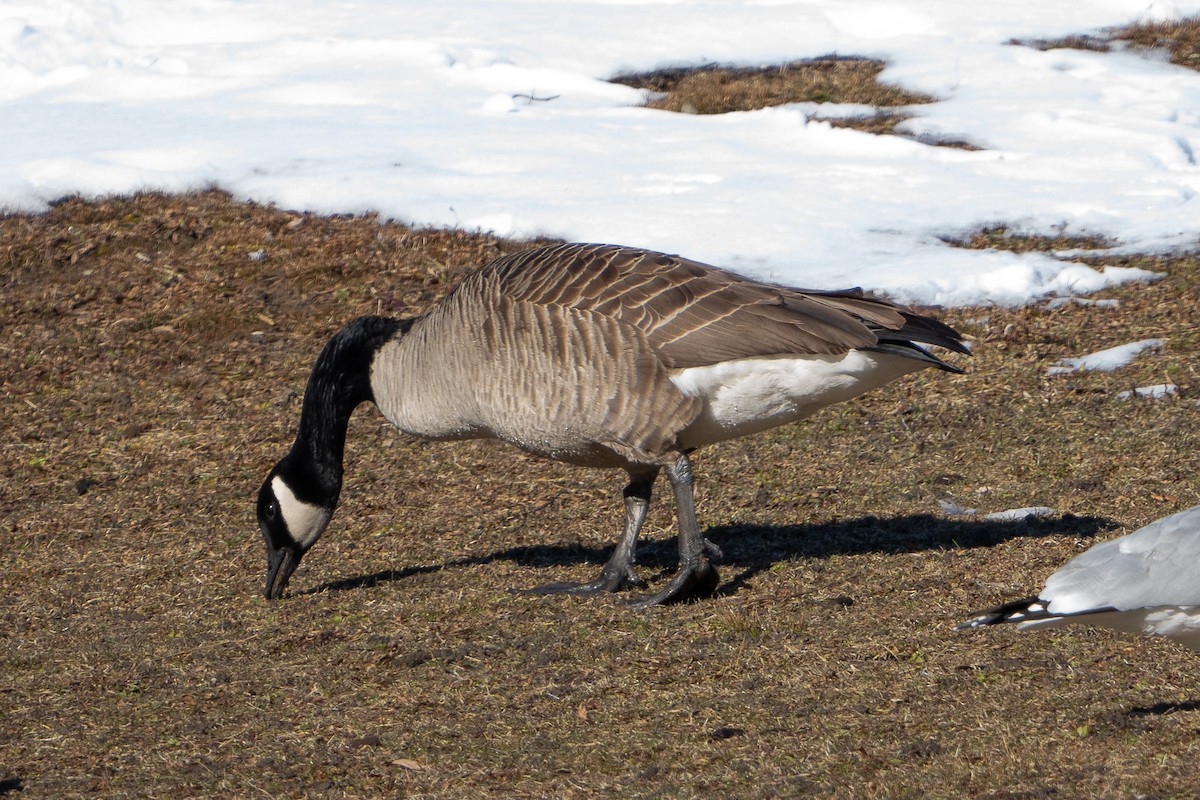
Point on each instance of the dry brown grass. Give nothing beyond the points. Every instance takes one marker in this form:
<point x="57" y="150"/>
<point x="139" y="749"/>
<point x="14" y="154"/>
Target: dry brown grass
<point x="1179" y="38"/>
<point x="149" y="378"/>
<point x="1080" y="41"/>
<point x="1001" y="237"/>
<point x="885" y="123"/>
<point x="718" y="89"/>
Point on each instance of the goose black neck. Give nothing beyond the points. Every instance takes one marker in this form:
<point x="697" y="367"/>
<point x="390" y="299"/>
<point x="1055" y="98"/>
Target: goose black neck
<point x="339" y="382"/>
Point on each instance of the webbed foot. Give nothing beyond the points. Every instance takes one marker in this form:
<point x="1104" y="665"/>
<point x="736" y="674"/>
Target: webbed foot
<point x="608" y="582"/>
<point x="695" y="579"/>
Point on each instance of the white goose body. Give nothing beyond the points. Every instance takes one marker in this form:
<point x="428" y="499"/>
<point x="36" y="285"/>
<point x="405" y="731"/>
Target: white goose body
<point x="601" y="356"/>
<point x="754" y="394"/>
<point x="1146" y="582"/>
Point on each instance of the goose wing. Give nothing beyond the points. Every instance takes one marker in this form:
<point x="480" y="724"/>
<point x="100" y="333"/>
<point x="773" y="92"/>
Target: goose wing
<point x="695" y="314"/>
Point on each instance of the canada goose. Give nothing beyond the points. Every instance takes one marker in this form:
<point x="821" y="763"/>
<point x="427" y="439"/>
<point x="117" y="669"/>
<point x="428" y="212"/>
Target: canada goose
<point x="597" y="355"/>
<point x="1143" y="582"/>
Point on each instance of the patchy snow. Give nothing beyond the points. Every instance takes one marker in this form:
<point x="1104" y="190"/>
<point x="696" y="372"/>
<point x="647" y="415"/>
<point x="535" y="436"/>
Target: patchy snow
<point x="1105" y="360"/>
<point x="498" y="115"/>
<point x="1155" y="392"/>
<point x="953" y="509"/>
<point x="1020" y="514"/>
<point x="1059" y="302"/>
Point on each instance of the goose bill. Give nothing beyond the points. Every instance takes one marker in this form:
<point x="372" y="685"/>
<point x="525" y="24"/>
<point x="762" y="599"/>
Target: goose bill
<point x="281" y="564"/>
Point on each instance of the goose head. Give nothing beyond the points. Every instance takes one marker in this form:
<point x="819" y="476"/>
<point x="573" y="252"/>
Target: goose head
<point x="298" y="497"/>
<point x="290" y="525"/>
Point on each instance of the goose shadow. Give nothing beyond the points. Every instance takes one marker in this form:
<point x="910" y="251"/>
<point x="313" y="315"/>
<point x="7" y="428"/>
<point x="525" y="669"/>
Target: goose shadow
<point x="751" y="548"/>
<point x="1143" y="718"/>
<point x="755" y="548"/>
<point x="1162" y="709"/>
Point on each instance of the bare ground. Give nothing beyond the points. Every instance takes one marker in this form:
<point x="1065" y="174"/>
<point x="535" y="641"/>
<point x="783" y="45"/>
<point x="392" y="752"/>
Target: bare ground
<point x="1178" y="39"/>
<point x="721" y="89"/>
<point x="153" y="354"/>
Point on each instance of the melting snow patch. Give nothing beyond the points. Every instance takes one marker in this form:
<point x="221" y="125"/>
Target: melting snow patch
<point x="954" y="509"/>
<point x="1059" y="302"/>
<point x="1156" y="391"/>
<point x="1018" y="514"/>
<point x="425" y="114"/>
<point x="1104" y="360"/>
<point x="1012" y="514"/>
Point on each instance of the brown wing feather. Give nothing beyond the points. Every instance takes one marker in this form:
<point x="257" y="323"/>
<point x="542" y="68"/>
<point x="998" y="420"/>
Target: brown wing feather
<point x="691" y="313"/>
<point x="597" y="385"/>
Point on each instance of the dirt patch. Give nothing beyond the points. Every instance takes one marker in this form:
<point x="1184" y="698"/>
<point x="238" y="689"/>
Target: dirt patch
<point x="721" y="89"/>
<point x="1002" y="237"/>
<point x="154" y="351"/>
<point x="1180" y="39"/>
<point x="717" y="89"/>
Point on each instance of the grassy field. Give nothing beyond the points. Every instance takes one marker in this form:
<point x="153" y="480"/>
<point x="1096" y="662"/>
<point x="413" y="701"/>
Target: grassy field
<point x="155" y="347"/>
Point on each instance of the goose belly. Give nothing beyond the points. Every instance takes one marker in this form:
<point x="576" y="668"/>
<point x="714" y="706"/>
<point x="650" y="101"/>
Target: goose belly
<point x="1181" y="623"/>
<point x="753" y="394"/>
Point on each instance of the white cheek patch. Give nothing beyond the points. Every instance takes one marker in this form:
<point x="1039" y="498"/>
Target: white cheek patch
<point x="305" y="521"/>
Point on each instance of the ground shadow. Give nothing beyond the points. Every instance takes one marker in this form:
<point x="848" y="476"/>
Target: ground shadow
<point x="11" y="784"/>
<point x="755" y="548"/>
<point x="1140" y="719"/>
<point x="1162" y="709"/>
<point x="750" y="549"/>
<point x="388" y="575"/>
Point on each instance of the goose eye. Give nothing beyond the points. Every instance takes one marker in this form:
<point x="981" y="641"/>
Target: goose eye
<point x="272" y="511"/>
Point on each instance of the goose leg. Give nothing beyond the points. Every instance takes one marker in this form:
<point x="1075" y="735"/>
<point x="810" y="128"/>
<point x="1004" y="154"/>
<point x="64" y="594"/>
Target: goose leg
<point x="696" y="575"/>
<point x="618" y="572"/>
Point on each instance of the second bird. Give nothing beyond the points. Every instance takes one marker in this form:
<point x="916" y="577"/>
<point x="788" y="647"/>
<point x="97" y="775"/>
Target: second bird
<point x="600" y="356"/>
